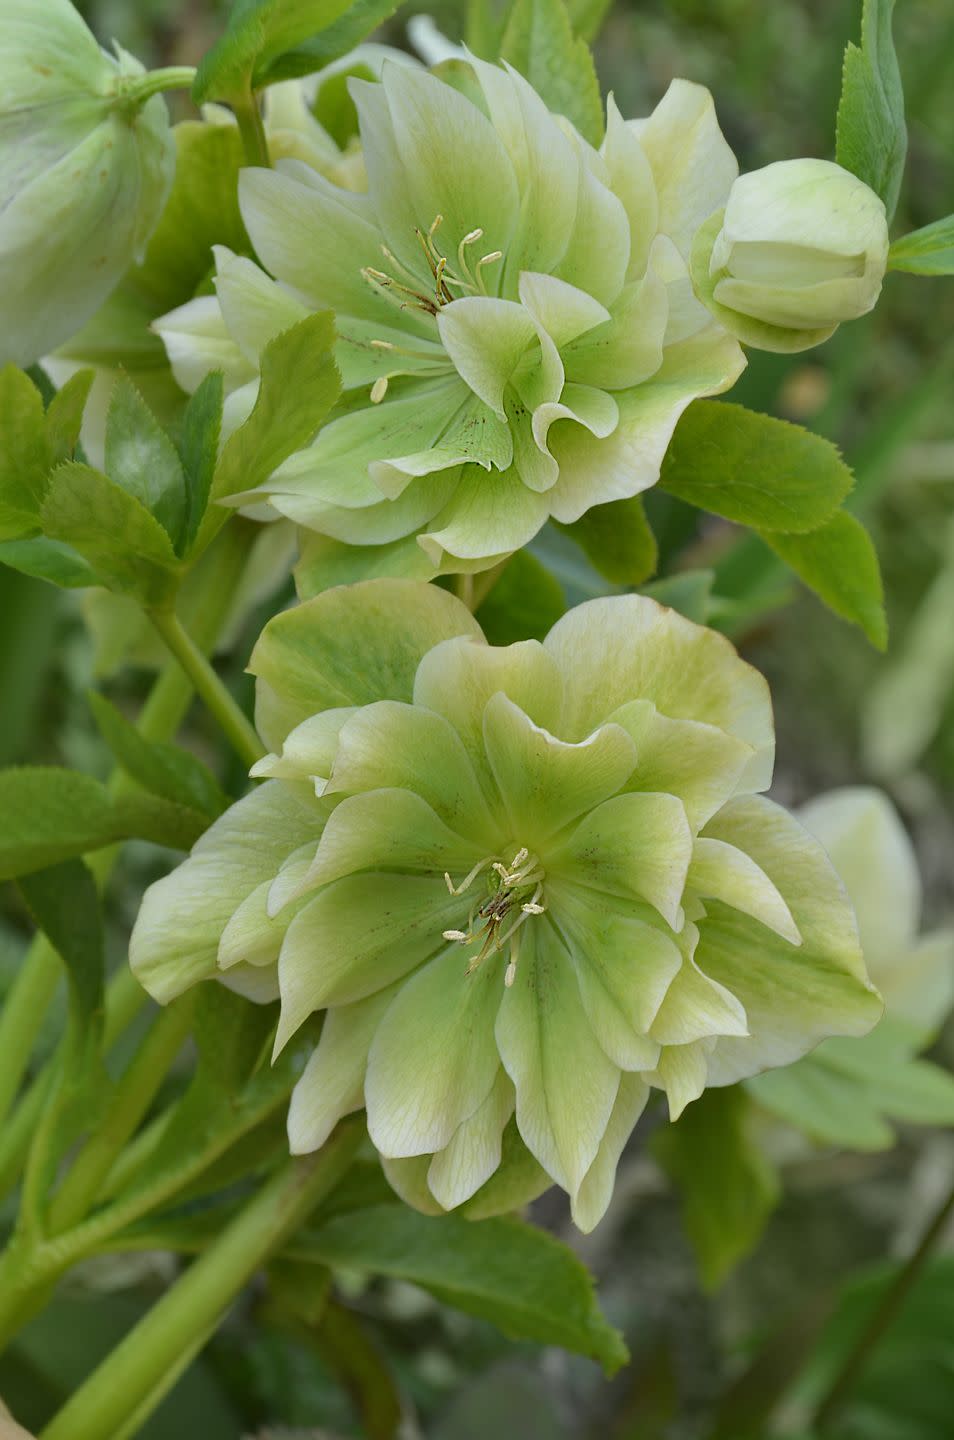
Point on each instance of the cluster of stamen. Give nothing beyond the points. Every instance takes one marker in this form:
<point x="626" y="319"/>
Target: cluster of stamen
<point x="488" y="920"/>
<point x="466" y="279"/>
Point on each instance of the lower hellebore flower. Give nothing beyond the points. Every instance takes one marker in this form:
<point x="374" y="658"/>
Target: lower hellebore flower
<point x="85" y="170"/>
<point x="518" y="333"/>
<point x="801" y="246"/>
<point x="526" y="884"/>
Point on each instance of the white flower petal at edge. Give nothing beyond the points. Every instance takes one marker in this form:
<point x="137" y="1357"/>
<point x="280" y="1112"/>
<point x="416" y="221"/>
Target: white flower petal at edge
<point x="517" y="331"/>
<point x="538" y="881"/>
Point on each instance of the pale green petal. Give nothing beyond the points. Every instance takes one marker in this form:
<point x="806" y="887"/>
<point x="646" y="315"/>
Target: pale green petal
<point x="723" y="872"/>
<point x="598" y="256"/>
<point x="486" y="339"/>
<point x="175" y="939"/>
<point x="254" y="307"/>
<point x="349" y="646"/>
<point x="920" y="987"/>
<point x="252" y="982"/>
<point x="490" y="514"/>
<point x="252" y="936"/>
<point x="474" y="435"/>
<point x="546" y="783"/>
<point x="594" y="472"/>
<point x="566" y="1086"/>
<point x="624" y="965"/>
<point x="361" y="362"/>
<point x="357" y="936"/>
<point x="379" y="523"/>
<point x="388" y="830"/>
<point x="388" y="181"/>
<point x="197" y="342"/>
<point x="517" y="1180"/>
<point x="332" y="1082"/>
<point x="634" y="846"/>
<point x="631" y="178"/>
<point x="696" y="1007"/>
<point x="700" y="763"/>
<point x="594" y="409"/>
<point x="793" y="996"/>
<point x="691" y="162"/>
<point x="433" y="1060"/>
<point x="457" y="680"/>
<point x="309" y="750"/>
<point x="475" y="1150"/>
<point x="682" y="1072"/>
<point x="628" y="348"/>
<point x="392" y="744"/>
<point x="869" y="847"/>
<point x="591" y="1201"/>
<point x="613" y="650"/>
<point x="559" y="307"/>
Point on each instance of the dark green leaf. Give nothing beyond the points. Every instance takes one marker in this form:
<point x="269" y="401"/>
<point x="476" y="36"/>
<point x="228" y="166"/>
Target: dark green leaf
<point x="524" y="603"/>
<point x="929" y="251"/>
<point x="617" y="539"/>
<point x="522" y="1279"/>
<point x="49" y="560"/>
<point x="233" y="1037"/>
<point x="728" y="1187"/>
<point x="299" y="385"/>
<point x="165" y="770"/>
<point x="198" y="450"/>
<point x="324" y="562"/>
<point x="754" y="469"/>
<point x="142" y="459"/>
<point x="25" y="453"/>
<point x="64" y="415"/>
<point x="689" y="592"/>
<point x="871" y="136"/>
<point x="111" y="529"/>
<point x="540" y="43"/>
<point x="52" y="814"/>
<point x="840" y="564"/>
<point x="63" y="901"/>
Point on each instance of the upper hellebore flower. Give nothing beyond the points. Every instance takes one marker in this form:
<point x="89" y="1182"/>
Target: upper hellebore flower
<point x="800" y="246"/>
<point x="86" y="162"/>
<point x="525" y="884"/>
<point x="518" y="330"/>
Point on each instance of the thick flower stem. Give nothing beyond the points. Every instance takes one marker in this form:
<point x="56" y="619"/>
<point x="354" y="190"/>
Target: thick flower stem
<point x="238" y="729"/>
<point x="892" y="1302"/>
<point x="251" y="128"/>
<point x="171" y="77"/>
<point x="135" y="1370"/>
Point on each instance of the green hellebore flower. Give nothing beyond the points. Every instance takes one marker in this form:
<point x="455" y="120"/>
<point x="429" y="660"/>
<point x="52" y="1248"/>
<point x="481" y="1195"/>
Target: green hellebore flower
<point x="85" y="168"/>
<point x="846" y="1091"/>
<point x="518" y="333"/>
<point x="801" y="246"/>
<point x="525" y="884"/>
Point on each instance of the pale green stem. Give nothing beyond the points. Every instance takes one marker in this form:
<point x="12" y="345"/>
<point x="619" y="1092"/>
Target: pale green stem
<point x="171" y="77"/>
<point x="464" y="590"/>
<point x="235" y="725"/>
<point x="22" y="1015"/>
<point x="251" y="128"/>
<point x="136" y="1369"/>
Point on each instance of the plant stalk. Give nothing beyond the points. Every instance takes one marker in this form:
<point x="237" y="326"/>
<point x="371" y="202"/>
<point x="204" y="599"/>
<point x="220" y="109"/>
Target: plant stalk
<point x="251" y="128"/>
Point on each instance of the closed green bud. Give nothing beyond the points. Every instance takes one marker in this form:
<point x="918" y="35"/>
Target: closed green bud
<point x="801" y="246"/>
<point x="86" y="161"/>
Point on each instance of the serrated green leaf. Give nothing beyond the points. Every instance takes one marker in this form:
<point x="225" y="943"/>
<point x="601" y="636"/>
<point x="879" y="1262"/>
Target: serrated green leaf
<point x="143" y="460"/>
<point x="929" y="251"/>
<point x="48" y="559"/>
<point x="524" y="603"/>
<point x="690" y="593"/>
<point x="112" y="530"/>
<point x="871" y="136"/>
<point x="198" y="450"/>
<point x="540" y="43"/>
<point x="361" y="17"/>
<point x="63" y="901"/>
<point x="727" y="1186"/>
<point x="618" y="540"/>
<point x="483" y="28"/>
<point x="53" y="814"/>
<point x="260" y="33"/>
<point x="299" y="385"/>
<point x="754" y="469"/>
<point x="64" y="415"/>
<point x="840" y="564"/>
<point x="25" y="453"/>
<point x="520" y="1278"/>
<point x="165" y="770"/>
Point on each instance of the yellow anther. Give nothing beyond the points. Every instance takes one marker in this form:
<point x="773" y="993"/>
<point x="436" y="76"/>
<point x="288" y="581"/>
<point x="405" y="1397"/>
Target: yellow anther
<point x="379" y="389"/>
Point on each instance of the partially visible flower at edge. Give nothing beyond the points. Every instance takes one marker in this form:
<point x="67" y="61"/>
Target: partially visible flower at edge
<point x="525" y="884"/>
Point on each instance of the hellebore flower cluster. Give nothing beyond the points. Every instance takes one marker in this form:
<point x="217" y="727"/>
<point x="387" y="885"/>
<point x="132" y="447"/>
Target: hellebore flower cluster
<point x="87" y="163"/>
<point x="518" y="331"/>
<point x="526" y="884"/>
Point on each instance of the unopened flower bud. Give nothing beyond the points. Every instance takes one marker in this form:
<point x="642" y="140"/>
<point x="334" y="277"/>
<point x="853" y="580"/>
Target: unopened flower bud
<point x="801" y="246"/>
<point x="86" y="161"/>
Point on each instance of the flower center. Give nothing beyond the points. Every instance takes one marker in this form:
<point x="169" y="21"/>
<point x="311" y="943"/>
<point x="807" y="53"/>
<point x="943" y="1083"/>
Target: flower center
<point x="514" y="893"/>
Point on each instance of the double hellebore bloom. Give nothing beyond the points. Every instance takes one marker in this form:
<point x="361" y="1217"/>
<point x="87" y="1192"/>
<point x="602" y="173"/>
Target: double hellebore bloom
<point x="518" y="330"/>
<point x="801" y="246"/>
<point x="525" y="884"/>
<point x="87" y="162"/>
